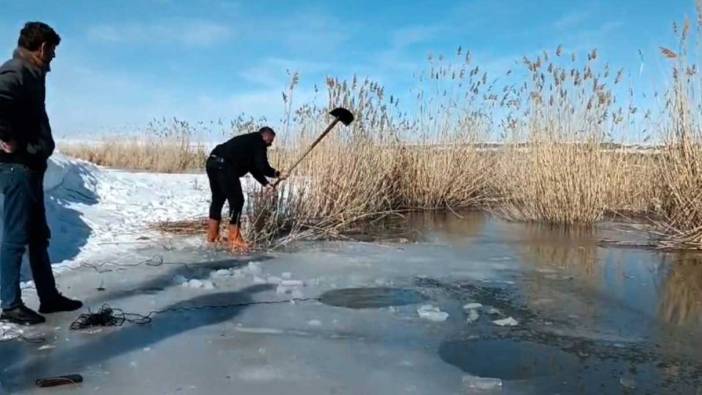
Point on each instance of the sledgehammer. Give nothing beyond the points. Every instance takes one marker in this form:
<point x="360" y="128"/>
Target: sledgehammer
<point x="340" y="115"/>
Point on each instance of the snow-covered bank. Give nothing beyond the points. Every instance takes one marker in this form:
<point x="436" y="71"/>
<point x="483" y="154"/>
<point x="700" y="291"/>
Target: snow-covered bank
<point x="94" y="212"/>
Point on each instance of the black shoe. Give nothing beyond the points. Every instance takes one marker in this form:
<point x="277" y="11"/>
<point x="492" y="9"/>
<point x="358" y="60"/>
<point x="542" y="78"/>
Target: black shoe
<point x="22" y="315"/>
<point x="59" y="303"/>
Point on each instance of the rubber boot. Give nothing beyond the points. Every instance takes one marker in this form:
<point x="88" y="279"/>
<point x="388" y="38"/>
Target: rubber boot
<point x="212" y="231"/>
<point x="236" y="242"/>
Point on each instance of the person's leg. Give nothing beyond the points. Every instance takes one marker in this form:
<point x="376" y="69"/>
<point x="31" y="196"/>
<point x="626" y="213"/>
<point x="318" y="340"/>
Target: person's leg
<point x="16" y="187"/>
<point x="16" y="213"/>
<point x="51" y="300"/>
<point x="218" y="197"/>
<point x="235" y="197"/>
<point x="216" y="203"/>
<point x="39" y="243"/>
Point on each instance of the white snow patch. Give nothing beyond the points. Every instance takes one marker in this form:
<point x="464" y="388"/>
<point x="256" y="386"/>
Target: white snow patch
<point x="472" y="306"/>
<point x="95" y="212"/>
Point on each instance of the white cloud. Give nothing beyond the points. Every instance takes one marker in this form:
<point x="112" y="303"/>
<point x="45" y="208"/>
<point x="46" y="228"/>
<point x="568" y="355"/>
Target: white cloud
<point x="572" y="20"/>
<point x="189" y="32"/>
<point x="407" y="36"/>
<point x="272" y="72"/>
<point x="311" y="31"/>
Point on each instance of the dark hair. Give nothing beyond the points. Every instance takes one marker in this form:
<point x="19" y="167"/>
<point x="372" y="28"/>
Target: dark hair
<point x="266" y="129"/>
<point x="33" y="34"/>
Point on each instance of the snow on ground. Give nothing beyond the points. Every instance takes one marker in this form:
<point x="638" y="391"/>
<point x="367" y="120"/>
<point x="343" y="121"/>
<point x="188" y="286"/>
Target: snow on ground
<point x="94" y="212"/>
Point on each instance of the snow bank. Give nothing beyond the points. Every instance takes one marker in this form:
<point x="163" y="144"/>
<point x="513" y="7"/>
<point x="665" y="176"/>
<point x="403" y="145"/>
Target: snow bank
<point x="95" y="212"/>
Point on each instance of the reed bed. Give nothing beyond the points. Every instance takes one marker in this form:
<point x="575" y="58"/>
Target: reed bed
<point x="553" y="155"/>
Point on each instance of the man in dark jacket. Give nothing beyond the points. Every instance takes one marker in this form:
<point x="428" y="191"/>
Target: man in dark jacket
<point x="25" y="147"/>
<point x="242" y="154"/>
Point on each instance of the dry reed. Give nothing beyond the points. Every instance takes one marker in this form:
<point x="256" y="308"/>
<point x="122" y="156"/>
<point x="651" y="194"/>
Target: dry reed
<point x="557" y="160"/>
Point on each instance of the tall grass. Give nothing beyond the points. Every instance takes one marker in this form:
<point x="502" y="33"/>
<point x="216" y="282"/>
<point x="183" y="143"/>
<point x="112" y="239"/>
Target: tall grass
<point x="554" y="168"/>
<point x="558" y="160"/>
<point x="166" y="146"/>
<point x="680" y="169"/>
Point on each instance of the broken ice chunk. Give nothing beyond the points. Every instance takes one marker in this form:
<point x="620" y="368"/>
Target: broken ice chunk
<point x="475" y="383"/>
<point x="194" y="283"/>
<point x="431" y="313"/>
<point x="221" y="273"/>
<point x="274" y="280"/>
<point x="289" y="287"/>
<point x="494" y="311"/>
<point x="627" y="382"/>
<point x="254" y="267"/>
<point x="509" y="321"/>
<point x="472" y="316"/>
<point x="179" y="280"/>
<point x="472" y="306"/>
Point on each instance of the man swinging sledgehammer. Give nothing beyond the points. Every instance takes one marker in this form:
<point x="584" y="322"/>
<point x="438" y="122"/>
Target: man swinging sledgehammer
<point x="243" y="154"/>
<point x="228" y="162"/>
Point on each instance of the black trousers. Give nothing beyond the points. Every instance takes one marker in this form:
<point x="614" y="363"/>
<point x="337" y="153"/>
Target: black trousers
<point x="224" y="185"/>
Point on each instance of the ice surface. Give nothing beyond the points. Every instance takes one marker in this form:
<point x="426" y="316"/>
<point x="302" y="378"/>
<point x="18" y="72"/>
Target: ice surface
<point x="471" y="306"/>
<point x="290" y="287"/>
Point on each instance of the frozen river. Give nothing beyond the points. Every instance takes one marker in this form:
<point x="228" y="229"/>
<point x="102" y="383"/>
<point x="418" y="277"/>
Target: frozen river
<point x="456" y="306"/>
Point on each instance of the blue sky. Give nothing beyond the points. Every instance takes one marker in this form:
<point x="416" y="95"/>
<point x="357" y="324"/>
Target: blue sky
<point x="124" y="63"/>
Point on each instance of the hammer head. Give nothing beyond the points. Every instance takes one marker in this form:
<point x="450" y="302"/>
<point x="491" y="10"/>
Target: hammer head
<point x="342" y="115"/>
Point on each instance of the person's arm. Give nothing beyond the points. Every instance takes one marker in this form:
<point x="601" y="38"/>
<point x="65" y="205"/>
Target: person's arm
<point x="10" y="84"/>
<point x="259" y="177"/>
<point x="44" y="145"/>
<point x="262" y="166"/>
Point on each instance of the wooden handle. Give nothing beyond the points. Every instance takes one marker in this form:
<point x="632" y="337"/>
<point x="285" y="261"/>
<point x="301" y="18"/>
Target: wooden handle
<point x="321" y="136"/>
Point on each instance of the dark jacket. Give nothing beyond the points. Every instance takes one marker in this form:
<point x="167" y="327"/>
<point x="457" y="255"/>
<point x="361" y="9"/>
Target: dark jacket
<point x="23" y="114"/>
<point x="247" y="153"/>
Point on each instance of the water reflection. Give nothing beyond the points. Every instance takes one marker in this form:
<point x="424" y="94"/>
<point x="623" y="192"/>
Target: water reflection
<point x="452" y="227"/>
<point x="455" y="228"/>
<point x="553" y="247"/>
<point x="681" y="296"/>
<point x="606" y="281"/>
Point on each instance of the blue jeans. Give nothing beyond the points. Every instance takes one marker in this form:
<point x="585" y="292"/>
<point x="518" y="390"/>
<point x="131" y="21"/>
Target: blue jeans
<point x="24" y="224"/>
